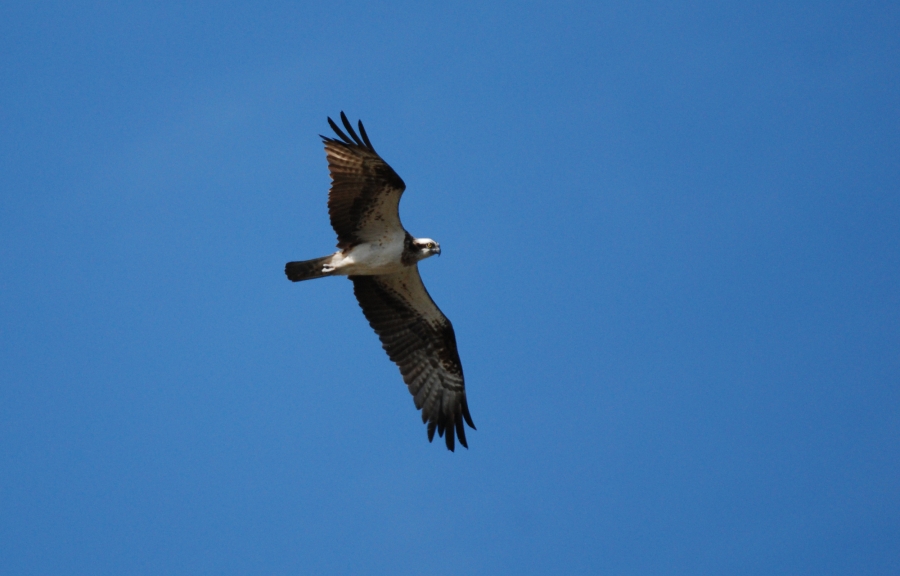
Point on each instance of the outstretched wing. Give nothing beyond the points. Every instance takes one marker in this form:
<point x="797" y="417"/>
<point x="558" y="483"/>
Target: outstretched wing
<point x="365" y="192"/>
<point x="421" y="341"/>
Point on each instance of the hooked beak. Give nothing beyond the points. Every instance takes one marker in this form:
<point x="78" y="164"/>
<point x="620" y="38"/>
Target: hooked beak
<point x="438" y="249"/>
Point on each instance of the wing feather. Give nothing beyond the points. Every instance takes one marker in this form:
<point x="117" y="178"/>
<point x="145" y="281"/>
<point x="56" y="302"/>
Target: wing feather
<point x="365" y="191"/>
<point x="420" y="340"/>
<point x="365" y="137"/>
<point x="349" y="128"/>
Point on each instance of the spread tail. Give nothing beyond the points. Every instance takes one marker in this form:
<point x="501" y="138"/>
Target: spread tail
<point x="308" y="269"/>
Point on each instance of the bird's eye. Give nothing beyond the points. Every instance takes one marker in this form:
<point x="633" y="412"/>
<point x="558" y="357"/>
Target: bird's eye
<point x="430" y="245"/>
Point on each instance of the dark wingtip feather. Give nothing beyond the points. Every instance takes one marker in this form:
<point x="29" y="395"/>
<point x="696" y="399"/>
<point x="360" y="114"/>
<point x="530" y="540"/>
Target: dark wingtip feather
<point x="466" y="415"/>
<point x="449" y="439"/>
<point x="461" y="433"/>
<point x="365" y="137"/>
<point x="338" y="130"/>
<point x="431" y="427"/>
<point x="350" y="129"/>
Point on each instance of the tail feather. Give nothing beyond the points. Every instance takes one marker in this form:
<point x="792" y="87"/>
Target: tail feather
<point x="307" y="269"/>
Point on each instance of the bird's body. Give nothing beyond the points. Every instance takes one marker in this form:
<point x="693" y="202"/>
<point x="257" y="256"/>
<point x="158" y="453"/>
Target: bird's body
<point x="381" y="258"/>
<point x="384" y="256"/>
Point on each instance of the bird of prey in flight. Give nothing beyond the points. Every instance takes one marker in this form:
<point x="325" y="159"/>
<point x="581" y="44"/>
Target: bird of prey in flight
<point x="382" y="260"/>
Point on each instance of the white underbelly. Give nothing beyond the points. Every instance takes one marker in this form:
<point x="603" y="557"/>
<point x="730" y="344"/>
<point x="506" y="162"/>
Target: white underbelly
<point x="370" y="258"/>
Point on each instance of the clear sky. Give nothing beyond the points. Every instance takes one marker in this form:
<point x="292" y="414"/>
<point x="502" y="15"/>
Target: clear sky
<point x="671" y="253"/>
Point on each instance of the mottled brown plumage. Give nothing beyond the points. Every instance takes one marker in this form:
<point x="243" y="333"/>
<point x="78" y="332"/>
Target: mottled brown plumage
<point x="364" y="201"/>
<point x="421" y="341"/>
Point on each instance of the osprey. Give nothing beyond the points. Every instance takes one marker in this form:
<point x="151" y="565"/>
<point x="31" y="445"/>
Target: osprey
<point x="381" y="259"/>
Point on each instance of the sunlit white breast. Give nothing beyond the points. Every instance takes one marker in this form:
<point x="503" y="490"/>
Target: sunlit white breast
<point x="371" y="258"/>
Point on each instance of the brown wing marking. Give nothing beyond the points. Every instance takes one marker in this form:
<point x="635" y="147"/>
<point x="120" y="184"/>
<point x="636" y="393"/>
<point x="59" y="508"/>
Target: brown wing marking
<point x="420" y="340"/>
<point x="365" y="192"/>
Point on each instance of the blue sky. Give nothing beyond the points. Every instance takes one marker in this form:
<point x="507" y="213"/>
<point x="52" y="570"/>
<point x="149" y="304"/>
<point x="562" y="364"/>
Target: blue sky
<point x="671" y="253"/>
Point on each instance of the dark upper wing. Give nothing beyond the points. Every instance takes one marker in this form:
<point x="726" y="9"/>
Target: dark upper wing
<point x="421" y="341"/>
<point x="365" y="192"/>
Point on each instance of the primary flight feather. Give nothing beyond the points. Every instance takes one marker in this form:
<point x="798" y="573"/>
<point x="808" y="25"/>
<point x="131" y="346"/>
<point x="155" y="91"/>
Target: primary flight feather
<point x="381" y="259"/>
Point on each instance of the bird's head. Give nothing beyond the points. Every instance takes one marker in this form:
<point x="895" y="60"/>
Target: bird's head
<point x="426" y="247"/>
